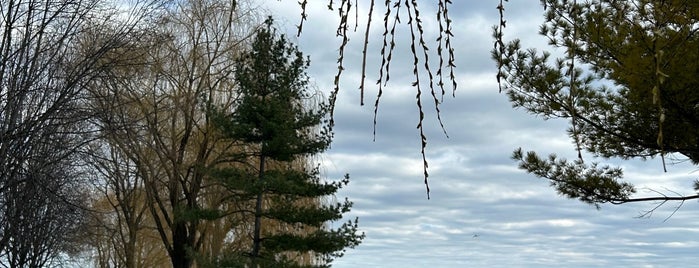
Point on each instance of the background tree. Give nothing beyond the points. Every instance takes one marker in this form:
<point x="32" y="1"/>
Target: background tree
<point x="152" y="112"/>
<point x="44" y="67"/>
<point x="279" y="134"/>
<point x="121" y="222"/>
<point x="122" y="230"/>
<point x="626" y="81"/>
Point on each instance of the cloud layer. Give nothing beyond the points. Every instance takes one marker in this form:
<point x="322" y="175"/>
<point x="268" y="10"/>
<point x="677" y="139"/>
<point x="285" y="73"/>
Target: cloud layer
<point x="483" y="211"/>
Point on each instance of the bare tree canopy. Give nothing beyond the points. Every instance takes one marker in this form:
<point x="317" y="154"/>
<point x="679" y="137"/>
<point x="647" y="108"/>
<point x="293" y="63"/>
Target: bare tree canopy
<point x="43" y="123"/>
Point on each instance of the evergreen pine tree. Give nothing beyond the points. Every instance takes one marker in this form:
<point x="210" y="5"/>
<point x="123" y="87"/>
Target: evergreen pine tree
<point x="279" y="135"/>
<point x="626" y="82"/>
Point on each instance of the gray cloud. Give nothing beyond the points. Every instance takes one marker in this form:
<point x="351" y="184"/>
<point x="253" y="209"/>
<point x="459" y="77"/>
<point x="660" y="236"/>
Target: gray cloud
<point x="484" y="212"/>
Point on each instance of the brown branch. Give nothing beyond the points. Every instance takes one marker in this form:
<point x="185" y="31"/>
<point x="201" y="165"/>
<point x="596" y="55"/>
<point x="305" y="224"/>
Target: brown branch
<point x="386" y="58"/>
<point x="364" y="53"/>
<point x="499" y="45"/>
<point x="423" y="44"/>
<point x="412" y="22"/>
<point x="663" y="199"/>
<point x="655" y="198"/>
<point x="304" y="16"/>
<point x="444" y="42"/>
<point x="343" y="13"/>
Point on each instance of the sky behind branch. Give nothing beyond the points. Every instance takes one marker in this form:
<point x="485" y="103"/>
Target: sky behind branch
<point x="483" y="211"/>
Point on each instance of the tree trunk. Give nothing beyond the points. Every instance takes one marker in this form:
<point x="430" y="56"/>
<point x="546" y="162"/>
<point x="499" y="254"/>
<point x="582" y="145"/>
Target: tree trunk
<point x="180" y="242"/>
<point x="258" y="216"/>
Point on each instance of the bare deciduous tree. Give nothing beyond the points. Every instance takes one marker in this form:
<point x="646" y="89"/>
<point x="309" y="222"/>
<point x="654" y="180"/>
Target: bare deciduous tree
<point x="44" y="65"/>
<point x="155" y="114"/>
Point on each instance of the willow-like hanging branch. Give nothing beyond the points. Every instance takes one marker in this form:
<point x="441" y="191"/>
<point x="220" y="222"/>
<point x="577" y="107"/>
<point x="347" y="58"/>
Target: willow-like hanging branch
<point x="419" y="48"/>
<point x="386" y="56"/>
<point x="499" y="44"/>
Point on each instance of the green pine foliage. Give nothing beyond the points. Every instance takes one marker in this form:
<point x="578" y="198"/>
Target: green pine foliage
<point x="626" y="80"/>
<point x="279" y="134"/>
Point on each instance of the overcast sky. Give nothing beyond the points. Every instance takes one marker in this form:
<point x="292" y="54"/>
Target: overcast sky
<point x="483" y="211"/>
